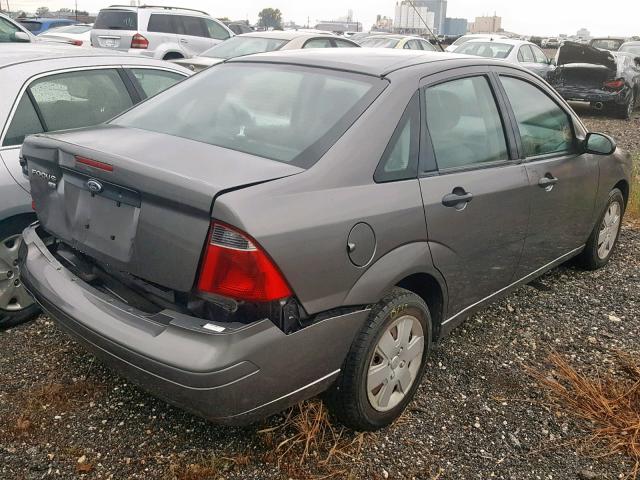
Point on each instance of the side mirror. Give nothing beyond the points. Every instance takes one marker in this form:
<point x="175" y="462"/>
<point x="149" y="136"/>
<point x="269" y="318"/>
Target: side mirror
<point x="599" y="144"/>
<point x="21" y="37"/>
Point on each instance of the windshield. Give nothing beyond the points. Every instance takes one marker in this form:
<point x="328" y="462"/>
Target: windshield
<point x="607" y="44"/>
<point x="486" y="49"/>
<point x="31" y="26"/>
<point x="379" y="42"/>
<point x="285" y="113"/>
<point x="116" y="20"/>
<point x="71" y="29"/>
<point x="635" y="49"/>
<point x="239" y="46"/>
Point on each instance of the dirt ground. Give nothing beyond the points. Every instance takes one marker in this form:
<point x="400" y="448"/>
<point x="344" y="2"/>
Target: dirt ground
<point x="477" y="415"/>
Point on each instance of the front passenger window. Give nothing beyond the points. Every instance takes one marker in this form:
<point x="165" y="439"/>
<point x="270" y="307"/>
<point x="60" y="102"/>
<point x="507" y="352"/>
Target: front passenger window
<point x="544" y="127"/>
<point x="464" y="123"/>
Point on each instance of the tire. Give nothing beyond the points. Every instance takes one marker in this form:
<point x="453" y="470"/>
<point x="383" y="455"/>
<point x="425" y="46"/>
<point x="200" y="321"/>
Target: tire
<point x="353" y="398"/>
<point x="625" y="112"/>
<point x="594" y="256"/>
<point x="16" y="306"/>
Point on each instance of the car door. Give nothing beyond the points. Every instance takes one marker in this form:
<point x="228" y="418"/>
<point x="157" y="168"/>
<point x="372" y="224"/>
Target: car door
<point x="164" y="29"/>
<point x="563" y="182"/>
<point x="527" y="59"/>
<point x="473" y="186"/>
<point x="193" y="35"/>
<point x="542" y="64"/>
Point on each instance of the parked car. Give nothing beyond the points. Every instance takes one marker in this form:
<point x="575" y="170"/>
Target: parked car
<point x="607" y="80"/>
<point x="38" y="25"/>
<point x="612" y="44"/>
<point x="551" y="43"/>
<point x="56" y="87"/>
<point x="239" y="27"/>
<point x="263" y="267"/>
<point x="406" y="42"/>
<point x="474" y="36"/>
<point x="631" y="47"/>
<point x="519" y="52"/>
<point x="159" y="32"/>
<point x="260" y="42"/>
<point x="78" y="35"/>
<point x="13" y="32"/>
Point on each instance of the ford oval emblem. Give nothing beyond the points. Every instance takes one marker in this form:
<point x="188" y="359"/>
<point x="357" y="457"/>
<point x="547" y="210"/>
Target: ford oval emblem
<point x="94" y="185"/>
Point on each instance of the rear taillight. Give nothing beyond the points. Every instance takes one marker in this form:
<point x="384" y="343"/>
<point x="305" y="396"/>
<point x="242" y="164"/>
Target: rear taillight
<point x="235" y="266"/>
<point x="614" y="84"/>
<point x="77" y="43"/>
<point x="138" y="41"/>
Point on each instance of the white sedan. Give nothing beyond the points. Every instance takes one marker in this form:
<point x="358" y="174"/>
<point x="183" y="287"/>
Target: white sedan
<point x="79" y="34"/>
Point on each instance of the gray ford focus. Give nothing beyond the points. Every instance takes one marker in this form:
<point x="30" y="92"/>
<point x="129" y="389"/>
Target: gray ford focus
<point x="293" y="223"/>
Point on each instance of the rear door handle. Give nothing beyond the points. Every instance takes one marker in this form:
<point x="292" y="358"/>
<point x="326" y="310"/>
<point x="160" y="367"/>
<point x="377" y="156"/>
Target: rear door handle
<point x="458" y="199"/>
<point x="547" y="182"/>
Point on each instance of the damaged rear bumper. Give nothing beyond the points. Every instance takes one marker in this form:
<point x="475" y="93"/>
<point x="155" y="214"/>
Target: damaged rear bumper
<point x="235" y="375"/>
<point x="592" y="95"/>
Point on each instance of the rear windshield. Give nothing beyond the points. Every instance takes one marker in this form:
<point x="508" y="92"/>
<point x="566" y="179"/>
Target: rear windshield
<point x="607" y="44"/>
<point x="72" y="29"/>
<point x="486" y="49"/>
<point x="379" y="42"/>
<point x="31" y="26"/>
<point x="285" y="113"/>
<point x="635" y="49"/>
<point x="238" y="46"/>
<point x="116" y="20"/>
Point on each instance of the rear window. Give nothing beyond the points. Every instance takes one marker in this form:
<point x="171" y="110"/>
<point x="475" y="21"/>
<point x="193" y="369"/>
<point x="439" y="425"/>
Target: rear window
<point x="284" y="113"/>
<point x="635" y="49"/>
<point x="31" y="26"/>
<point x="607" y="44"/>
<point x="72" y="29"/>
<point x="238" y="46"/>
<point x="379" y="42"/>
<point x="116" y="20"/>
<point x="486" y="49"/>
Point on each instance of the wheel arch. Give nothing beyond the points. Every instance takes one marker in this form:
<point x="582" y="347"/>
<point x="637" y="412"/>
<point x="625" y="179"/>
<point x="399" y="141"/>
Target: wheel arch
<point x="623" y="186"/>
<point x="427" y="287"/>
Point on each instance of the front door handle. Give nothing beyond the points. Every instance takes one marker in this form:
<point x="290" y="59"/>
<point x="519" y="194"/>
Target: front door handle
<point x="457" y="199"/>
<point x="547" y="182"/>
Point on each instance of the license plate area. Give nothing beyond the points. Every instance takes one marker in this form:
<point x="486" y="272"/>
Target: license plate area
<point x="110" y="42"/>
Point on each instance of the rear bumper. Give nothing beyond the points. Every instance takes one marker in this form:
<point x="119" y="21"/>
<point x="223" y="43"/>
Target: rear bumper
<point x="585" y="94"/>
<point x="235" y="376"/>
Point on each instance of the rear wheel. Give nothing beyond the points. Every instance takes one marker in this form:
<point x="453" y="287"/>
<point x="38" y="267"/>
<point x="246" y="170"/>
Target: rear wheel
<point x="385" y="364"/>
<point x="626" y="111"/>
<point x="605" y="234"/>
<point x="16" y="305"/>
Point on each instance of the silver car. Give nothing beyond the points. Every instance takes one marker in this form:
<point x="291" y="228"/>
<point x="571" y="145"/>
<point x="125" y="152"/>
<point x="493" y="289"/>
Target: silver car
<point x="292" y="222"/>
<point x="260" y="42"/>
<point x="159" y="32"/>
<point x="46" y="88"/>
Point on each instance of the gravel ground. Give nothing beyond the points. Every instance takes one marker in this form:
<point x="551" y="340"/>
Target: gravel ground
<point x="477" y="414"/>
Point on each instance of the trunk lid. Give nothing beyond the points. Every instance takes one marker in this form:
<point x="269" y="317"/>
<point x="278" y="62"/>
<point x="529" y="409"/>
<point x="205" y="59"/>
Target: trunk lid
<point x="114" y="29"/>
<point x="577" y="53"/>
<point x="144" y="207"/>
<point x="583" y="66"/>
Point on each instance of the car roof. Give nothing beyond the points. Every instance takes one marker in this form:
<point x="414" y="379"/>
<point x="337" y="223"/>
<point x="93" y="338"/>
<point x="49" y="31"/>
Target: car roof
<point x="285" y="34"/>
<point x="396" y="36"/>
<point x="507" y="41"/>
<point x="369" y="61"/>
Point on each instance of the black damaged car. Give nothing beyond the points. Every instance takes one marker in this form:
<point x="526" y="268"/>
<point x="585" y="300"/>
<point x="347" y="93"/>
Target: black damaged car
<point x="607" y="80"/>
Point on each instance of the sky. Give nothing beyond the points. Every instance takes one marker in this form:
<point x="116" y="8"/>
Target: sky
<point x="526" y="17"/>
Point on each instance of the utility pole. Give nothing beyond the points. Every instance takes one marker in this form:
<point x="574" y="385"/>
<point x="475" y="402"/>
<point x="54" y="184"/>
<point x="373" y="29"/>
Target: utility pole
<point x="76" y="10"/>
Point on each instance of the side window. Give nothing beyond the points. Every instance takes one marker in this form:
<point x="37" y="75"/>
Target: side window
<point x="539" y="55"/>
<point x="215" y="30"/>
<point x="80" y="99"/>
<point x="154" y="81"/>
<point x="407" y="45"/>
<point x="7" y="31"/>
<point x="400" y="158"/>
<point x="525" y="55"/>
<point x="25" y="122"/>
<point x="318" y="43"/>
<point x="427" y="46"/>
<point x="464" y="123"/>
<point x="161" y="23"/>
<point x="544" y="127"/>
<point x="193" y="26"/>
<point x="342" y="44"/>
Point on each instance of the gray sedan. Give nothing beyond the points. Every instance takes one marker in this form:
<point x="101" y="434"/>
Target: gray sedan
<point x="260" y="42"/>
<point x="293" y="222"/>
<point x="48" y="87"/>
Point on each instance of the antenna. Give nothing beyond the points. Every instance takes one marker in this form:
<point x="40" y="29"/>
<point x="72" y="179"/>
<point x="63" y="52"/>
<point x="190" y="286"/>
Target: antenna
<point x="413" y="5"/>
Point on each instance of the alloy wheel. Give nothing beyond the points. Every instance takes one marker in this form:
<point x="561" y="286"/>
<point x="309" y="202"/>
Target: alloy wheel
<point x="13" y="296"/>
<point x="395" y="363"/>
<point x="609" y="229"/>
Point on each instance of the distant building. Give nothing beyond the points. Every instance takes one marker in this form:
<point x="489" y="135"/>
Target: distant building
<point x="339" y="26"/>
<point x="583" y="34"/>
<point x="383" y="24"/>
<point x="412" y="20"/>
<point x="486" y="25"/>
<point x="439" y="9"/>
<point x="455" y="27"/>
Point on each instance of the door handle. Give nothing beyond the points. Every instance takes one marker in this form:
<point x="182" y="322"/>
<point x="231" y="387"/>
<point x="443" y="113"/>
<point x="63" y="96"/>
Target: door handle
<point x="182" y="40"/>
<point x="457" y="199"/>
<point x="547" y="182"/>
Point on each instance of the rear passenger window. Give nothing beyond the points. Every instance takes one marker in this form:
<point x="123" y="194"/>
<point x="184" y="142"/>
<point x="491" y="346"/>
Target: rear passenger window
<point x="79" y="99"/>
<point x="464" y="123"/>
<point x="525" y="55"/>
<point x="154" y="81"/>
<point x="193" y="26"/>
<point x="544" y="127"/>
<point x="216" y="30"/>
<point x="343" y="44"/>
<point x="400" y="158"/>
<point x="161" y="23"/>
<point x="318" y="43"/>
<point x="25" y="122"/>
<point x="539" y="55"/>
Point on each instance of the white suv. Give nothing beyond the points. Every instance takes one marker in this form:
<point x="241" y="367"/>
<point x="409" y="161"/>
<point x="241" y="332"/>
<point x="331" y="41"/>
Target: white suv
<point x="158" y="32"/>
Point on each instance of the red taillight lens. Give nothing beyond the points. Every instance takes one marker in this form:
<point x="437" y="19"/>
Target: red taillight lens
<point x="77" y="43"/>
<point x="235" y="266"/>
<point x="614" y="84"/>
<point x="94" y="163"/>
<point x="138" y="41"/>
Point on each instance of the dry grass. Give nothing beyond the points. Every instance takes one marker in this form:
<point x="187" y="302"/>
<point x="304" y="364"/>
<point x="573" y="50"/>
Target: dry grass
<point x="633" y="208"/>
<point x="610" y="403"/>
<point x="308" y="445"/>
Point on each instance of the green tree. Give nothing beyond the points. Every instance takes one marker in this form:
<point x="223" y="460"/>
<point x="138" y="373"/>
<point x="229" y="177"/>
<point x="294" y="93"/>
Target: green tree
<point x="270" y="18"/>
<point x="42" y="11"/>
